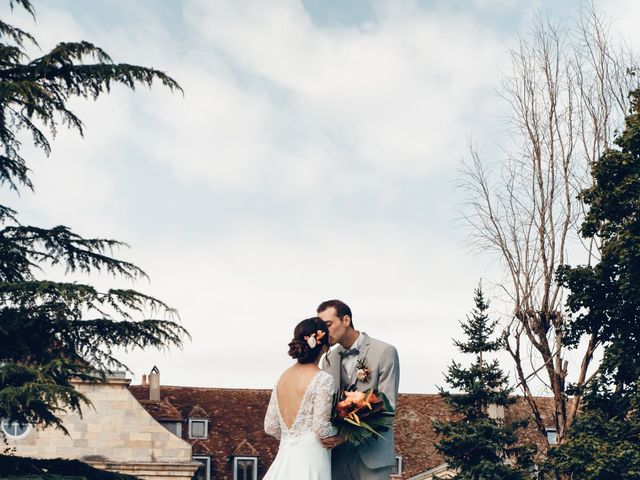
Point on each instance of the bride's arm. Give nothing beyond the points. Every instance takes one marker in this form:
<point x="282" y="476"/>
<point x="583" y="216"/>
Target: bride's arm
<point x="271" y="420"/>
<point x="322" y="404"/>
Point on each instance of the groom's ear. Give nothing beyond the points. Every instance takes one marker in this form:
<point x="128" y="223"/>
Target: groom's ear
<point x="348" y="319"/>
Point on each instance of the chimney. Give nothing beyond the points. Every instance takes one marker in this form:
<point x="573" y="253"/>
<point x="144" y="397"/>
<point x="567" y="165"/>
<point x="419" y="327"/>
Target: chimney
<point x="144" y="380"/>
<point x="154" y="384"/>
<point x="495" y="412"/>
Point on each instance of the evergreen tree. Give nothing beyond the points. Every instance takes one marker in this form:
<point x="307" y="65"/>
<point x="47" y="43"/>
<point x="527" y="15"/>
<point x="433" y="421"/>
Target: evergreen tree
<point x="477" y="446"/>
<point x="52" y="332"/>
<point x="604" y="301"/>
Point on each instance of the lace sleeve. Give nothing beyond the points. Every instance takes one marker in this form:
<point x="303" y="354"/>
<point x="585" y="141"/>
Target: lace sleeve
<point x="271" y="419"/>
<point x="322" y="404"/>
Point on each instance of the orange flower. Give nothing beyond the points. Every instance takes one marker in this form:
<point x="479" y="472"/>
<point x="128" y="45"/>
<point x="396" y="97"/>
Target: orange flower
<point x="372" y="398"/>
<point x="353" y="400"/>
<point x="356" y="397"/>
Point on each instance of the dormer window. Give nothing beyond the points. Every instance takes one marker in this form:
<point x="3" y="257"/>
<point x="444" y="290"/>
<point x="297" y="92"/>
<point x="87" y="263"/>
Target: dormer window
<point x="204" y="471"/>
<point x="173" y="427"/>
<point x="198" y="422"/>
<point x="552" y="436"/>
<point x="198" y="428"/>
<point x="245" y="468"/>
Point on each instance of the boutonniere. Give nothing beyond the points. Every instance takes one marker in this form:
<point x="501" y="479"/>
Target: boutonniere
<point x="362" y="370"/>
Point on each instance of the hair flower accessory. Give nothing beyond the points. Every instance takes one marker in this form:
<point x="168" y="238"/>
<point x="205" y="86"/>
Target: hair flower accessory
<point x="311" y="340"/>
<point x="314" y="339"/>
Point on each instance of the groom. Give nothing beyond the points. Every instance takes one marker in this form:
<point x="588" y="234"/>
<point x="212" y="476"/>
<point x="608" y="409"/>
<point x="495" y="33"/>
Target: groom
<point x="357" y="351"/>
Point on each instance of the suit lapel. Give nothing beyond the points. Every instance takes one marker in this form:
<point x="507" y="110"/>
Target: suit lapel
<point x="366" y="341"/>
<point x="362" y="357"/>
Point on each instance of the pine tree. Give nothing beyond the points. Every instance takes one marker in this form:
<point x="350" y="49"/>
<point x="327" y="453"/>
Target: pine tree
<point x="604" y="302"/>
<point x="477" y="446"/>
<point x="52" y="332"/>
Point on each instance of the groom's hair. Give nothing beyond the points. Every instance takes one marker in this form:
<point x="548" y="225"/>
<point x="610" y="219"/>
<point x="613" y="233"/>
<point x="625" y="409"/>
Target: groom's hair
<point x="342" y="309"/>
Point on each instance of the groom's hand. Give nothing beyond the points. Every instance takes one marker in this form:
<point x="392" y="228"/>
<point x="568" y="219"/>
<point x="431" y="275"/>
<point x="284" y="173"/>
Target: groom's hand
<point x="332" y="442"/>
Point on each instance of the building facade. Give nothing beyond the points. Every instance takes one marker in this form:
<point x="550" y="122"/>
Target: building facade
<point x="225" y="428"/>
<point x="116" y="433"/>
<point x="167" y="432"/>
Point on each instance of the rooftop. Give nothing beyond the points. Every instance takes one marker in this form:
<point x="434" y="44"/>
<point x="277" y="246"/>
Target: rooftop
<point x="236" y="424"/>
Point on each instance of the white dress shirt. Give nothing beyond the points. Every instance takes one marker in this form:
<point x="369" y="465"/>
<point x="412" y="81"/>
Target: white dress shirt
<point x="349" y="363"/>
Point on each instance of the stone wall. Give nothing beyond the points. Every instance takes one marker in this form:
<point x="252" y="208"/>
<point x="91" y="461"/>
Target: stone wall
<point x="116" y="434"/>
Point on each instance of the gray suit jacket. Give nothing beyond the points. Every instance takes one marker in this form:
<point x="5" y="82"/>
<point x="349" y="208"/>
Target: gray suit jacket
<point x="382" y="360"/>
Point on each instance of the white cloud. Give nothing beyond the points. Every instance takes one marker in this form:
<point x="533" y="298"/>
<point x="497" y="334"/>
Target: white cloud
<point x="623" y="15"/>
<point x="274" y="103"/>
<point x="241" y="296"/>
<point x="333" y="126"/>
<point x="270" y="91"/>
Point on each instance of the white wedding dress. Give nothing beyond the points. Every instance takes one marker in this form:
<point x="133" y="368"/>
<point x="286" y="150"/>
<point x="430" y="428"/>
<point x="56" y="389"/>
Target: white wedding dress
<point x="301" y="456"/>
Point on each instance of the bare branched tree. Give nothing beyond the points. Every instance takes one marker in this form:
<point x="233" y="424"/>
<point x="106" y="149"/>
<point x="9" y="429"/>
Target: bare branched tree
<point x="567" y="93"/>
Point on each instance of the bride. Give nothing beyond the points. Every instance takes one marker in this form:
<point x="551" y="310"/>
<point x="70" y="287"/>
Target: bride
<point x="300" y="408"/>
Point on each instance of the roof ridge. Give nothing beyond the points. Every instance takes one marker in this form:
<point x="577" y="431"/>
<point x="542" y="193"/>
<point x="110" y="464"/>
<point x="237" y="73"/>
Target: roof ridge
<point x="248" y="389"/>
<point x="204" y="388"/>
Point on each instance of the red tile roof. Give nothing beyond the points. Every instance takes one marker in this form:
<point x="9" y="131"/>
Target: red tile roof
<point x="245" y="449"/>
<point x="415" y="438"/>
<point x="414" y="433"/>
<point x="198" y="447"/>
<point x="520" y="410"/>
<point x="236" y="425"/>
<point x="162" y="410"/>
<point x="197" y="412"/>
<point x="234" y="414"/>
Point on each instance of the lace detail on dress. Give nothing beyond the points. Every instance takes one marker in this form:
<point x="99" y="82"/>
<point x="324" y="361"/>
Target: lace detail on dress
<point x="271" y="419"/>
<point x="313" y="415"/>
<point x="323" y="401"/>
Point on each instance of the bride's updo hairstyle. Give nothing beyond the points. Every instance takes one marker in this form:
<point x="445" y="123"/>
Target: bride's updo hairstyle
<point x="309" y="338"/>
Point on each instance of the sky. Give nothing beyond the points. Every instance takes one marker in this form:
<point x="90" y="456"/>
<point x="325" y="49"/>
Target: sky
<point x="313" y="155"/>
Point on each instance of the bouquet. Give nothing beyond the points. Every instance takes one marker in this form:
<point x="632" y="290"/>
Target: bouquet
<point x="359" y="416"/>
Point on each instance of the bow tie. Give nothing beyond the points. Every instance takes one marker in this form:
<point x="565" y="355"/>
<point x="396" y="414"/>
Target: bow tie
<point x="348" y="352"/>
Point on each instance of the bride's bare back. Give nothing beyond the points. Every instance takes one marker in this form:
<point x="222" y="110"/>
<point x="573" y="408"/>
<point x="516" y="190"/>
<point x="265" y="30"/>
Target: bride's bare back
<point x="291" y="389"/>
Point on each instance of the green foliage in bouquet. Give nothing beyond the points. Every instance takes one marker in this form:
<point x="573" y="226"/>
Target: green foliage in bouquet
<point x="360" y="416"/>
